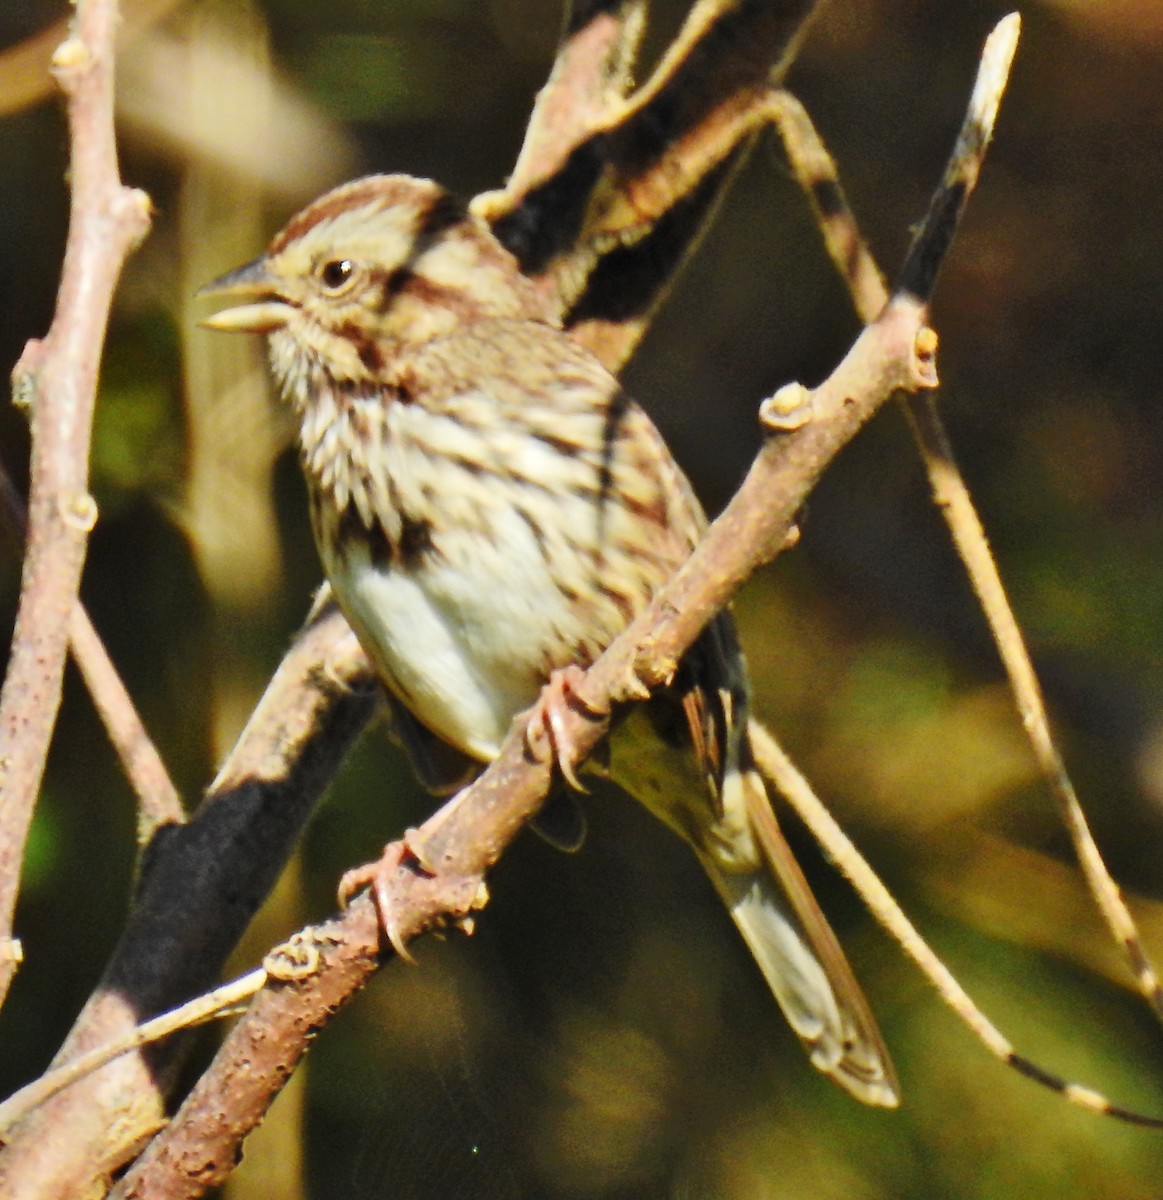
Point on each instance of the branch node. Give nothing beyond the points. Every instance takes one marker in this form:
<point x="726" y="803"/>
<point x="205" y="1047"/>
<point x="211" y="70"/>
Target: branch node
<point x="133" y="209"/>
<point x="924" y="363"/>
<point x="411" y="897"/>
<point x="70" y="59"/>
<point x="295" y="959"/>
<point x="25" y="374"/>
<point x="79" y="511"/>
<point x="790" y="408"/>
<point x="650" y="669"/>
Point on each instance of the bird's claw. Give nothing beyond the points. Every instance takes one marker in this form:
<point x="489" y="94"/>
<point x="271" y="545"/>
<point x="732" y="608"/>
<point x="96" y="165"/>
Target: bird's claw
<point x="548" y="725"/>
<point x="404" y="882"/>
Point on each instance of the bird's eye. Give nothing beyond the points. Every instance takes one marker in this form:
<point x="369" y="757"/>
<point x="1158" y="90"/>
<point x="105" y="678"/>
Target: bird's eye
<point x="336" y="272"/>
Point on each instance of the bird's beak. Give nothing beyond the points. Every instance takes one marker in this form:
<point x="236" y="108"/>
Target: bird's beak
<point x="255" y="282"/>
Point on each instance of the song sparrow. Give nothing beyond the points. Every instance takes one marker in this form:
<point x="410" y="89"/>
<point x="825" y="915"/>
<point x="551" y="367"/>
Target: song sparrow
<point x="490" y="507"/>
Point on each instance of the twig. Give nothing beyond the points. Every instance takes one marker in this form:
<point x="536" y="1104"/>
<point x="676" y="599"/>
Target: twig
<point x="221" y="1002"/>
<point x="295" y="959"/>
<point x="57" y="378"/>
<point x="24" y="68"/>
<point x="604" y="212"/>
<point x="591" y="71"/>
<point x="777" y="767"/>
<point x="816" y="172"/>
<point x="158" y="800"/>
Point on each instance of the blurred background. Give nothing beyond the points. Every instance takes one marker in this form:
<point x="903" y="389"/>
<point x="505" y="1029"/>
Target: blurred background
<point x="605" y="1034"/>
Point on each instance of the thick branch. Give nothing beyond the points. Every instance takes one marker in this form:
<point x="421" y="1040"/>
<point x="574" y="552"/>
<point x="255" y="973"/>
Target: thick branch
<point x="201" y="885"/>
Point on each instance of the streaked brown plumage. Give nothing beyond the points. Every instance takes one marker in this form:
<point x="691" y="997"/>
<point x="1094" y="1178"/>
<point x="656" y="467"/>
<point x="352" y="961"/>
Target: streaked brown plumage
<point x="490" y="507"/>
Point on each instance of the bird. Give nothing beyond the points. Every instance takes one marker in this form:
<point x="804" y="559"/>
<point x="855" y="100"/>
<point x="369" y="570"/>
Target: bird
<point x="491" y="509"/>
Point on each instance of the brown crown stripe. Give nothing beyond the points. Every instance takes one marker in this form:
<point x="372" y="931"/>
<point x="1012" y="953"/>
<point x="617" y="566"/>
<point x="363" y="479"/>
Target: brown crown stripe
<point x="439" y="208"/>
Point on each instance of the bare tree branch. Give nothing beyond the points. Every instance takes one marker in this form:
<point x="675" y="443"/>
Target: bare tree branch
<point x="57" y="380"/>
<point x="591" y="72"/>
<point x="602" y="214"/>
<point x="817" y="174"/>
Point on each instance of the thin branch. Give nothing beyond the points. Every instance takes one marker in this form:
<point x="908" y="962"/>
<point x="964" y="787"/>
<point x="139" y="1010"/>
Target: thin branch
<point x="816" y="171"/>
<point x="292" y="960"/>
<point x="621" y="200"/>
<point x="918" y="276"/>
<point x="57" y="379"/>
<point x="221" y="1002"/>
<point x="158" y="800"/>
<point x="25" y="77"/>
<point x="842" y="853"/>
<point x="592" y="70"/>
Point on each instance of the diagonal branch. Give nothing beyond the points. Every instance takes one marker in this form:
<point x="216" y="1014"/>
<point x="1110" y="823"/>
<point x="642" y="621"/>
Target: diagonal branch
<point x="816" y="172"/>
<point x="201" y="884"/>
<point x="607" y="211"/>
<point x="461" y="841"/>
<point x="591" y="72"/>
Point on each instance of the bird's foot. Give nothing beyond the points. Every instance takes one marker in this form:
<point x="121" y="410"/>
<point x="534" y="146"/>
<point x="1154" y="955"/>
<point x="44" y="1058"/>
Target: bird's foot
<point x="412" y="893"/>
<point x="547" y="729"/>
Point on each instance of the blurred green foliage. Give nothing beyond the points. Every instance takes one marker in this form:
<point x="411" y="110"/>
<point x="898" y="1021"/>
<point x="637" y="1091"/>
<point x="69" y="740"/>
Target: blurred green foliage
<point x="604" y="1035"/>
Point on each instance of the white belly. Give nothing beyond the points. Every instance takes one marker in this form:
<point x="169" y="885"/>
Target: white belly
<point x="463" y="652"/>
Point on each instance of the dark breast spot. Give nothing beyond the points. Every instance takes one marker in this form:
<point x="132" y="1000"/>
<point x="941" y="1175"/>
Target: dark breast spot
<point x="415" y="542"/>
<point x="404" y="384"/>
<point x="352" y="532"/>
<point x="411" y="547"/>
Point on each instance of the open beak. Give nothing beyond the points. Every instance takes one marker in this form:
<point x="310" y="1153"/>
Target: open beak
<point x="253" y="282"/>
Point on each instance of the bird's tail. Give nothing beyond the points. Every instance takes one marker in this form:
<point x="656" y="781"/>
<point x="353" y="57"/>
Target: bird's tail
<point x="793" y="944"/>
